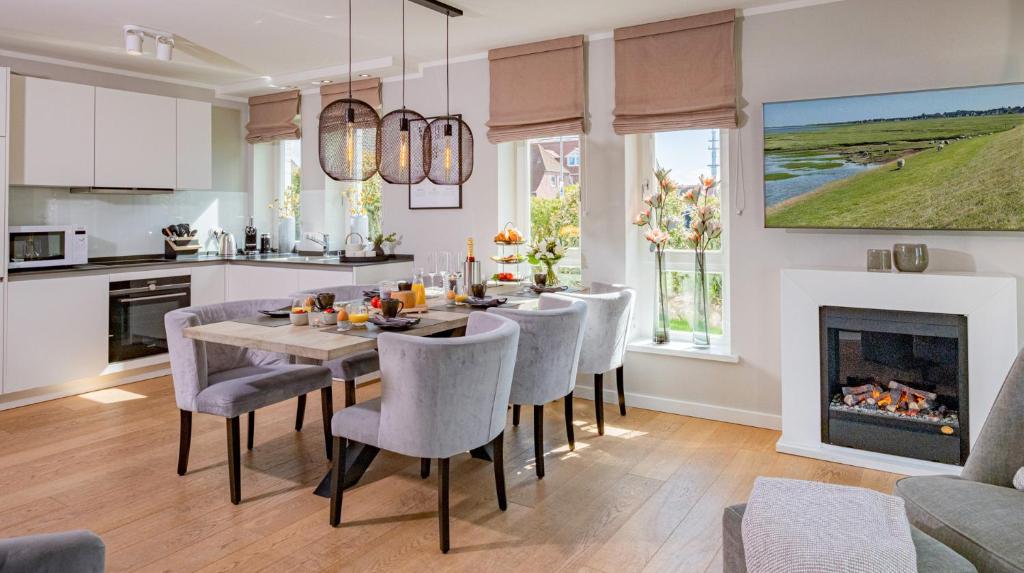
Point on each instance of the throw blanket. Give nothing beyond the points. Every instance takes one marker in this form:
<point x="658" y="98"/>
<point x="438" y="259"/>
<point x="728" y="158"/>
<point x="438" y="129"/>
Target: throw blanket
<point x="793" y="526"/>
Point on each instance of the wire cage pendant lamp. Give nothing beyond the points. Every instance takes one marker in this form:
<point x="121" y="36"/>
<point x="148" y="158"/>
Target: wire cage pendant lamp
<point x="349" y="132"/>
<point x="403" y="137"/>
<point x="450" y="141"/>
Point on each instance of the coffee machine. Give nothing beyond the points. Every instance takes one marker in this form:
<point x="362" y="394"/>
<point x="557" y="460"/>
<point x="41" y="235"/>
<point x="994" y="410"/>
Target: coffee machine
<point x="251" y="239"/>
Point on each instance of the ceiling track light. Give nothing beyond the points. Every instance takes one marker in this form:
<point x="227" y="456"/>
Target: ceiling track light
<point x="134" y="36"/>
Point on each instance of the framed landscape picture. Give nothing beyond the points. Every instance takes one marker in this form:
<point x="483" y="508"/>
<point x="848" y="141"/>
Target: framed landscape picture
<point x="948" y="159"/>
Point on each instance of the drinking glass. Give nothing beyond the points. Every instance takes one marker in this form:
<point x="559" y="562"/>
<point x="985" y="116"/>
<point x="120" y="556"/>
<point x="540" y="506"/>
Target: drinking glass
<point x="452" y="291"/>
<point x="431" y="266"/>
<point x="386" y="288"/>
<point x="444" y="266"/>
<point x="358" y="314"/>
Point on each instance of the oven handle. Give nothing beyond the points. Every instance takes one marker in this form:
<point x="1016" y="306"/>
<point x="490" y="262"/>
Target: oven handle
<point x="157" y="297"/>
<point x="148" y="289"/>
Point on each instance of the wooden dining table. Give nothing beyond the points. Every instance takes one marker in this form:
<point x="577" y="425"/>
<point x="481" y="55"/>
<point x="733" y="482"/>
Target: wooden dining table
<point x="319" y="345"/>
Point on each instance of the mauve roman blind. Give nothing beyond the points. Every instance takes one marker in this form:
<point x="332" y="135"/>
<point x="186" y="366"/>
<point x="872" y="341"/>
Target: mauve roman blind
<point x="272" y="117"/>
<point x="367" y="90"/>
<point x="676" y="74"/>
<point x="537" y="90"/>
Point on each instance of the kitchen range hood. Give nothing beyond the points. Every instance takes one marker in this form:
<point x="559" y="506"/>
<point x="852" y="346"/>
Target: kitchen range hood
<point x="123" y="190"/>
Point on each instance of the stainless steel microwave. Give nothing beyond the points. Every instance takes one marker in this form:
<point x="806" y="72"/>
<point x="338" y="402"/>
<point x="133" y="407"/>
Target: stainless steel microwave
<point x="47" y="246"/>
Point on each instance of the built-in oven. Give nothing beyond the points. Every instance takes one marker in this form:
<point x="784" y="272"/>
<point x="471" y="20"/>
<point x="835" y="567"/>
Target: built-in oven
<point x="47" y="246"/>
<point x="137" y="309"/>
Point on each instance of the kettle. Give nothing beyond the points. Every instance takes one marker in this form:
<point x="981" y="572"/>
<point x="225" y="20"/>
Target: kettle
<point x="227" y="244"/>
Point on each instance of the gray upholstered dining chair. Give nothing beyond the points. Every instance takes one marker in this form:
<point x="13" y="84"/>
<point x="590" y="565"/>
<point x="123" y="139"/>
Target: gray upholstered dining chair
<point x="610" y="311"/>
<point x="350" y="367"/>
<point x="78" y="551"/>
<point x="550" y="339"/>
<point x="439" y="397"/>
<point x="230" y="381"/>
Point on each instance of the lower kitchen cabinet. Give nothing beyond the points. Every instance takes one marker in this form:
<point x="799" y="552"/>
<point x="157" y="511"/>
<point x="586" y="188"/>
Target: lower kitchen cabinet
<point x="208" y="284"/>
<point x="312" y="279"/>
<point x="260" y="281"/>
<point x="56" y="331"/>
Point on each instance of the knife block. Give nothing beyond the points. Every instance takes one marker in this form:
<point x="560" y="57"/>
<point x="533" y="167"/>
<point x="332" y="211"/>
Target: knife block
<point x="173" y="248"/>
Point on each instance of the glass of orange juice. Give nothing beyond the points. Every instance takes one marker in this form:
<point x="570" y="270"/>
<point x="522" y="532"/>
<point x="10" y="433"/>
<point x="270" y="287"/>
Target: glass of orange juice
<point x="358" y="314"/>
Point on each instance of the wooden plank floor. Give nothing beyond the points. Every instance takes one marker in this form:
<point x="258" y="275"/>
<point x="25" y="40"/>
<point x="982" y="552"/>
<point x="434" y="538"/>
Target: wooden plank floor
<point x="647" y="496"/>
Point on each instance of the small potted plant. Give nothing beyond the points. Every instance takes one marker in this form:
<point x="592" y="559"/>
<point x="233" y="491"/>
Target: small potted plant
<point x="378" y="245"/>
<point x="391" y="242"/>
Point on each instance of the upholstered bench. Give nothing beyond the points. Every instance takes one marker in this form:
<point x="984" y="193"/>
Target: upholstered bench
<point x="932" y="556"/>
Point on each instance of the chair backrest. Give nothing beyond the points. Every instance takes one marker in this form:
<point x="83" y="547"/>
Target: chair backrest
<point x="341" y="293"/>
<point x="192" y="361"/>
<point x="998" y="452"/>
<point x="549" y="349"/>
<point x="609" y="312"/>
<point x="443" y="396"/>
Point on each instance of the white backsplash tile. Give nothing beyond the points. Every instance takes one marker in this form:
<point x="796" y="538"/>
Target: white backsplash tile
<point x="130" y="224"/>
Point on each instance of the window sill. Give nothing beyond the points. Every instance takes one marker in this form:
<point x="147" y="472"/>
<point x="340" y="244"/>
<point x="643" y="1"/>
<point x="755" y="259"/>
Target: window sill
<point x="685" y="349"/>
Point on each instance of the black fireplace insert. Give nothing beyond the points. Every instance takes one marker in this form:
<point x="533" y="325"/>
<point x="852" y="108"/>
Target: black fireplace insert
<point x="895" y="382"/>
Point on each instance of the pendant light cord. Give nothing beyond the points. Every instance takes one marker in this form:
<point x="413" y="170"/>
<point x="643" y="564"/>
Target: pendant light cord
<point x="403" y="54"/>
<point x="447" y="69"/>
<point x="349" y="49"/>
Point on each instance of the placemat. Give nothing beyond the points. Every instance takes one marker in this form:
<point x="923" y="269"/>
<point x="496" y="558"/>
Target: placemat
<point x="264" y="320"/>
<point x="372" y="331"/>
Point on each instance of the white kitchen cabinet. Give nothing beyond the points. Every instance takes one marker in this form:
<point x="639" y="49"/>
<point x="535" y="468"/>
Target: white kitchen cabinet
<point x="260" y="281"/>
<point x="194" y="145"/>
<point x="136" y="140"/>
<point x="208" y="284"/>
<point x="52" y="128"/>
<point x="57" y="331"/>
<point x="312" y="279"/>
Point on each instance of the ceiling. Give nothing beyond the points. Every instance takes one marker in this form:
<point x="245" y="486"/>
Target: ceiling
<point x="244" y="46"/>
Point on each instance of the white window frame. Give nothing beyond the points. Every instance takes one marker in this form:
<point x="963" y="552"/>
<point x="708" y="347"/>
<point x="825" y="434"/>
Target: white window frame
<point x="682" y="260"/>
<point x="573" y="256"/>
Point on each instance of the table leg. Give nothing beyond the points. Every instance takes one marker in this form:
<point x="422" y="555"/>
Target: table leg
<point x="357" y="460"/>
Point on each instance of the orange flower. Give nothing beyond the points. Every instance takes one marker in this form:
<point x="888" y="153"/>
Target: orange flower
<point x="707" y="182"/>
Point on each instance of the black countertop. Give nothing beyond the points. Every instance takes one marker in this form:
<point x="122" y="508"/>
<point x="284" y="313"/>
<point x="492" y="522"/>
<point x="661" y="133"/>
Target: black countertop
<point x="143" y="262"/>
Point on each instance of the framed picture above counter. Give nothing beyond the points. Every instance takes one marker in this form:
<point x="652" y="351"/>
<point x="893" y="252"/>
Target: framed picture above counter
<point x="427" y="195"/>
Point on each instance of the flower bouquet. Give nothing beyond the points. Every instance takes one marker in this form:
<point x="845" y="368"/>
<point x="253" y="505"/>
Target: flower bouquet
<point x="547" y="252"/>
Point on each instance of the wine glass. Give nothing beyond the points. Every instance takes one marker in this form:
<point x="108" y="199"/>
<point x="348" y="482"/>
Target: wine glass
<point x="431" y="266"/>
<point x="443" y="264"/>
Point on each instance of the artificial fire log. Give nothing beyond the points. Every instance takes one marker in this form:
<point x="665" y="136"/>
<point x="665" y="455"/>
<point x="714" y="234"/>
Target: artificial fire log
<point x="847" y="390"/>
<point x="894" y="385"/>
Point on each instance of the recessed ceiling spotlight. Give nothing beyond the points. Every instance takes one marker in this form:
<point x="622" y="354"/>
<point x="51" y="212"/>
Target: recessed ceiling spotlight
<point x="364" y="75"/>
<point x="322" y="82"/>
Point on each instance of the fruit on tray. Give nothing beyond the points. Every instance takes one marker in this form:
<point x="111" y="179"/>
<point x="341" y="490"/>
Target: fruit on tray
<point x="329" y="310"/>
<point x="375" y="302"/>
<point x="298" y="310"/>
<point x="510" y="235"/>
<point x="506" y="277"/>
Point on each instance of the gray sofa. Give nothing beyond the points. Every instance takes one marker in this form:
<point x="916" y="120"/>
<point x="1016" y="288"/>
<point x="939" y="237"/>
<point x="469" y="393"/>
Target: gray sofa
<point x="65" y="552"/>
<point x="932" y="556"/>
<point x="980" y="514"/>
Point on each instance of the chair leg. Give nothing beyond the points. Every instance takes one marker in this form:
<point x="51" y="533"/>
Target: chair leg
<point x="442" y="503"/>
<point x="515" y="414"/>
<point x="300" y="413"/>
<point x="252" y="430"/>
<point x="185" y="442"/>
<point x="599" y="402"/>
<point x="350" y="393"/>
<point x="569" y="429"/>
<point x="337" y="480"/>
<point x="234" y="460"/>
<point x="538" y="439"/>
<point x="327" y="411"/>
<point x="622" y="391"/>
<point x="499" y="469"/>
<point x="424" y="468"/>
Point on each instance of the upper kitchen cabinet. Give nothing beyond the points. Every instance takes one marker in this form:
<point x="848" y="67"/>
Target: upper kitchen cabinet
<point x="195" y="145"/>
<point x="51" y="132"/>
<point x="136" y="140"/>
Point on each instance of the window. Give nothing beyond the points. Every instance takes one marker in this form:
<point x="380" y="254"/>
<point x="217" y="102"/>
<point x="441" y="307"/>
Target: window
<point x="277" y="184"/>
<point x="548" y="196"/>
<point x="690" y="154"/>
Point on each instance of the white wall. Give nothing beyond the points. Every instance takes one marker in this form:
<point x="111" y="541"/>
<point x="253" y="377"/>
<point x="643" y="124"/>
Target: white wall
<point x="841" y="48"/>
<point x="844" y="48"/>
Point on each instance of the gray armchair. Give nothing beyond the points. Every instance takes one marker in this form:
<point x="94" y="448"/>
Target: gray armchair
<point x="610" y="311"/>
<point x="439" y="397"/>
<point x="66" y="552"/>
<point x="980" y="514"/>
<point x="229" y="381"/>
<point x="550" y="339"/>
<point x="351" y="367"/>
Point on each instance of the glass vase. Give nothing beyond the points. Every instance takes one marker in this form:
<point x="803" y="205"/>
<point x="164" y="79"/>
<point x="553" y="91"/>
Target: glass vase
<point x="701" y="337"/>
<point x="660" y="299"/>
<point x="552" y="275"/>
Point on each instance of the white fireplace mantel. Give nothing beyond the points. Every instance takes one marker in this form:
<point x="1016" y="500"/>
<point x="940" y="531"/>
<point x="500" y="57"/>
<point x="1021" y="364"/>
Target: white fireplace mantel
<point x="993" y="338"/>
